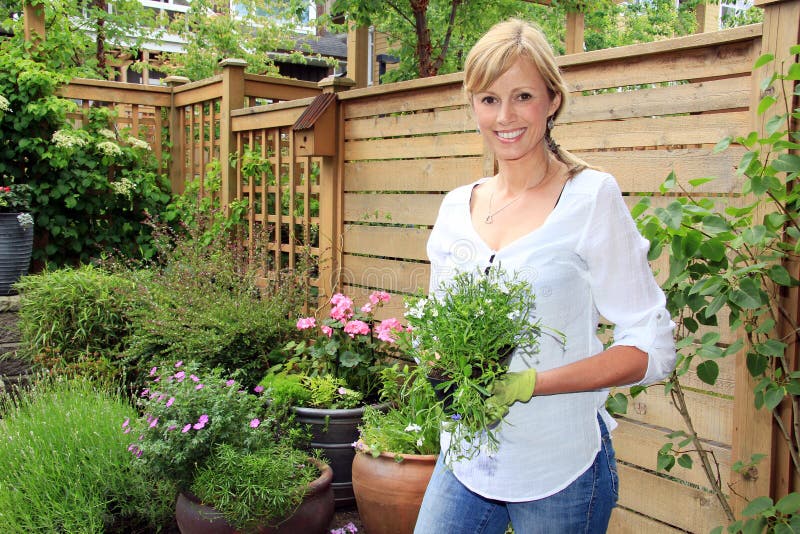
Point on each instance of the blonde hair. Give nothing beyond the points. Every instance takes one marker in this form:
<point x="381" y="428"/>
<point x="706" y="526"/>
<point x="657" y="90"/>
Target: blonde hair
<point x="499" y="49"/>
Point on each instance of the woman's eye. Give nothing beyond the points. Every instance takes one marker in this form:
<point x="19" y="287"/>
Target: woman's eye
<point x="524" y="96"/>
<point x="488" y="100"/>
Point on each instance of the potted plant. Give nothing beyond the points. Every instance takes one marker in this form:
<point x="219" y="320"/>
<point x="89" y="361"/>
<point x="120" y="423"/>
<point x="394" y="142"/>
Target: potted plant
<point x="332" y="373"/>
<point x="16" y="234"/>
<point x="204" y="432"/>
<point x="464" y="336"/>
<point x="396" y="452"/>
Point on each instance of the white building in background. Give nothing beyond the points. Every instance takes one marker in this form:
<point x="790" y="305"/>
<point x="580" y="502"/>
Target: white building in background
<point x="313" y="69"/>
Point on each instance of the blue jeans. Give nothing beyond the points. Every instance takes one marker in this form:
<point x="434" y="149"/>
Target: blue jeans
<point x="582" y="507"/>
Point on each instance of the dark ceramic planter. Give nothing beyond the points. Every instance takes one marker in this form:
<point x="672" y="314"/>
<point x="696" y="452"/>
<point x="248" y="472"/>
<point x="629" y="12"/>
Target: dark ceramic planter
<point x="16" y="245"/>
<point x="333" y="432"/>
<point x="313" y="516"/>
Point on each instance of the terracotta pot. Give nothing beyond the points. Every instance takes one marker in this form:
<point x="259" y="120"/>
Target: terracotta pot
<point x="313" y="516"/>
<point x="389" y="493"/>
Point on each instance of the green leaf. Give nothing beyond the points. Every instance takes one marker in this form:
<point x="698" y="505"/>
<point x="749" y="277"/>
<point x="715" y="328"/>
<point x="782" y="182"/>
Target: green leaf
<point x="755" y="234"/>
<point x="780" y="275"/>
<point x="617" y="404"/>
<point x="766" y="103"/>
<point x="696" y="182"/>
<point x="754" y="526"/>
<point x="723" y="144"/>
<point x="745" y="162"/>
<point x="786" y="163"/>
<point x="685" y="461"/>
<point x="771" y="347"/>
<point x="794" y="72"/>
<point x="669" y="183"/>
<point x="775" y="123"/>
<point x="708" y="371"/>
<point x="713" y="249"/>
<point x="763" y="60"/>
<point x="790" y="504"/>
<point x="773" y="397"/>
<point x="756" y="363"/>
<point x="757" y="506"/>
<point x="665" y="462"/>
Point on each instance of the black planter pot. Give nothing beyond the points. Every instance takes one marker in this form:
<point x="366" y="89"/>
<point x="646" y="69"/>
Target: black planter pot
<point x="16" y="245"/>
<point x="333" y="432"/>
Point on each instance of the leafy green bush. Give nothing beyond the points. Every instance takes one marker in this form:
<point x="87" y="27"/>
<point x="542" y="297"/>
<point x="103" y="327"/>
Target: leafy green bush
<point x="64" y="465"/>
<point x="76" y="319"/>
<point x="205" y="304"/>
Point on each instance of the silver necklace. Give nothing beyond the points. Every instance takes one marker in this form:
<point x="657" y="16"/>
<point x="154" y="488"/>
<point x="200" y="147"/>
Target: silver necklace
<point x="490" y="216"/>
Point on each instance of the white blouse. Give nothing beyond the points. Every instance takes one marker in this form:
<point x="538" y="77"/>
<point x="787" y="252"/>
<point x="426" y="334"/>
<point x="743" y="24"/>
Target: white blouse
<point x="586" y="261"/>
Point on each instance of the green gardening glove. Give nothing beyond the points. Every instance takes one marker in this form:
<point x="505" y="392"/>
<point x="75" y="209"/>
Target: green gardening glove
<point x="508" y="389"/>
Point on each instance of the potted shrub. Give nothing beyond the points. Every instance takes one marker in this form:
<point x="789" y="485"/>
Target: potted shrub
<point x="464" y="337"/>
<point x="16" y="234"/>
<point x="396" y="452"/>
<point x="331" y="374"/>
<point x="193" y="422"/>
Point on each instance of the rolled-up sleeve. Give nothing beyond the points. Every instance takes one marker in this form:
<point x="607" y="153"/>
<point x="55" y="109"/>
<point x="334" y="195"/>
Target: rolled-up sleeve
<point x="624" y="289"/>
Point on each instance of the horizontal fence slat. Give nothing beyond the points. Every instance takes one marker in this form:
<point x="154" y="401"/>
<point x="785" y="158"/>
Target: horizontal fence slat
<point x="707" y="128"/>
<point x="391" y="275"/>
<point x="642" y="171"/>
<point x="428" y="146"/>
<point x="712" y="416"/>
<point x="199" y="94"/>
<point x="667" y="501"/>
<point x="627" y="522"/>
<point x="383" y="104"/>
<point x="418" y="209"/>
<point x="729" y="93"/>
<point x="727" y="59"/>
<point x="273" y="119"/>
<point x="438" y="120"/>
<point x="440" y="174"/>
<point x="274" y="89"/>
<point x="386" y="241"/>
<point x="638" y="444"/>
<point x="115" y="92"/>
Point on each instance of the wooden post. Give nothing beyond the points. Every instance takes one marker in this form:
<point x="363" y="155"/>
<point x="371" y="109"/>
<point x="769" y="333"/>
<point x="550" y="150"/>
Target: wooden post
<point x="33" y="20"/>
<point x="232" y="99"/>
<point x="358" y="55"/>
<point x="707" y="17"/>
<point x="177" y="137"/>
<point x="753" y="430"/>
<point x="331" y="193"/>
<point x="575" y="31"/>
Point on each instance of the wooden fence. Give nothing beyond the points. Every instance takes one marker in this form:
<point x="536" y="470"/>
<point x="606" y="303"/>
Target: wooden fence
<point x="355" y="179"/>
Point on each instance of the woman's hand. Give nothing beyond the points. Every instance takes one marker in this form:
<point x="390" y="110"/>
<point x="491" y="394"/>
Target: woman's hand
<point x="508" y="389"/>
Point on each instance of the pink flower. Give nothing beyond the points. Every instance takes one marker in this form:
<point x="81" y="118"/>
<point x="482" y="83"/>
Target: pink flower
<point x="198" y="426"/>
<point x="153" y="371"/>
<point x="356" y="327"/>
<point x="327" y="330"/>
<point x="145" y="392"/>
<point x="171" y="427"/>
<point x="126" y="422"/>
<point x="342" y="309"/>
<point x="379" y="296"/>
<point x="254" y="423"/>
<point x="154" y="422"/>
<point x="386" y="328"/>
<point x="367" y="308"/>
<point x="126" y="431"/>
<point x="306" y="322"/>
<point x="198" y="386"/>
<point x="170" y="401"/>
<point x="178" y="363"/>
<point x="180" y="375"/>
<point x="203" y="419"/>
<point x="258" y="389"/>
<point x="186" y="428"/>
<point x="230" y="382"/>
<point x="194" y="378"/>
<point x="341" y="391"/>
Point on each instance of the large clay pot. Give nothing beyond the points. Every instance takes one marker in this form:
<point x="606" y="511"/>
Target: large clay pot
<point x="333" y="432"/>
<point x="313" y="516"/>
<point x="389" y="493"/>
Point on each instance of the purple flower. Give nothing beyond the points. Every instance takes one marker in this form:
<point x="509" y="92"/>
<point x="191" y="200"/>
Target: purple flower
<point x="180" y="375"/>
<point x="153" y="371"/>
<point x="170" y="401"/>
<point x="154" y="422"/>
<point x="145" y="392"/>
<point x="258" y="389"/>
<point x="198" y="426"/>
<point x="178" y="363"/>
<point x="199" y="386"/>
<point x="230" y="382"/>
<point x="456" y="417"/>
<point x="203" y="419"/>
<point x="171" y="427"/>
<point x="254" y="423"/>
<point x="194" y="378"/>
<point x="186" y="428"/>
<point x="126" y="422"/>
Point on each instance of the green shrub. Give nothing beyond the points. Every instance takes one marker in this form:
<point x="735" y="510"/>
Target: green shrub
<point x="76" y="319"/>
<point x="65" y="467"/>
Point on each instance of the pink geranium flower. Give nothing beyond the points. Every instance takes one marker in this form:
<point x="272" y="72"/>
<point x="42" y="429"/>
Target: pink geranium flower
<point x="379" y="296"/>
<point x="352" y="328"/>
<point x="385" y="330"/>
<point x="327" y="330"/>
<point x="305" y="323"/>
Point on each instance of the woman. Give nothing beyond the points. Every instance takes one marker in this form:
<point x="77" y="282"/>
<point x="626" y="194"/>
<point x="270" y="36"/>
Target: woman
<point x="565" y="228"/>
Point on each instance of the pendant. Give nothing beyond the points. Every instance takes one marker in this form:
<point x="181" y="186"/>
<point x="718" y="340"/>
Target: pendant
<point x="488" y="220"/>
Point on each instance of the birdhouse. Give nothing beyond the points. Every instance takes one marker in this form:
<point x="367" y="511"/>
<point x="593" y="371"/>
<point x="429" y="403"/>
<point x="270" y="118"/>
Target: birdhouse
<point x="315" y="129"/>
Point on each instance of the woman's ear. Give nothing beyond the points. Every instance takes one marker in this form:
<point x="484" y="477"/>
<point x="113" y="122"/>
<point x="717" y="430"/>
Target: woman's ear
<point x="555" y="103"/>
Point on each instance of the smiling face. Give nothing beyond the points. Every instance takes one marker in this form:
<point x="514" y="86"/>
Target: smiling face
<point x="512" y="113"/>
